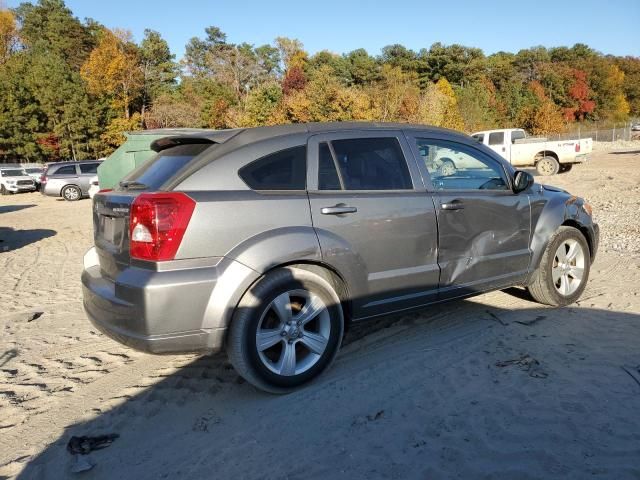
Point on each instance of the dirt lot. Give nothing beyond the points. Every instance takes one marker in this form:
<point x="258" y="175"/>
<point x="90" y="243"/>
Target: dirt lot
<point x="492" y="387"/>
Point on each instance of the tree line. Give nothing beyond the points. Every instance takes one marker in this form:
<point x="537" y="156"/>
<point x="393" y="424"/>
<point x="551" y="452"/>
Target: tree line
<point x="70" y="88"/>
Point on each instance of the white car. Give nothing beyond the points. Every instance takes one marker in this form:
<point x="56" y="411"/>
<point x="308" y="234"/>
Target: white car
<point x="35" y="173"/>
<point x="94" y="186"/>
<point x="548" y="156"/>
<point x="14" y="180"/>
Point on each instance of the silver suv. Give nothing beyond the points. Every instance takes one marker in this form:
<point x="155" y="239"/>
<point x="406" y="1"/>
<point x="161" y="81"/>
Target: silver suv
<point x="69" y="180"/>
<point x="267" y="242"/>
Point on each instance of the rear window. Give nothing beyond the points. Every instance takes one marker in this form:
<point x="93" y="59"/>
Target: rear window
<point x="65" y="170"/>
<point x="88" y="168"/>
<point x="283" y="170"/>
<point x="157" y="171"/>
<point x="372" y="164"/>
<point x="517" y="135"/>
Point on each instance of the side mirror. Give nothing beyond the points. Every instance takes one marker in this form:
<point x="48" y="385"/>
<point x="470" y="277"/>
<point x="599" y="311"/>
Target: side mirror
<point x="522" y="181"/>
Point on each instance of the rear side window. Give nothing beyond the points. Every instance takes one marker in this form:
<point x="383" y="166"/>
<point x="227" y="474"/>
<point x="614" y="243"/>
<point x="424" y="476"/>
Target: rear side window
<point x="517" y="135"/>
<point x="371" y="164"/>
<point x="496" y="138"/>
<point x="88" y="168"/>
<point x="66" y="170"/>
<point x="157" y="171"/>
<point x="283" y="170"/>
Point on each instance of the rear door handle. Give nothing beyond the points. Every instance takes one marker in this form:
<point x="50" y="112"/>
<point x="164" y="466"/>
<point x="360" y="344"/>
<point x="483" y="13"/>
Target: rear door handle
<point x="337" y="210"/>
<point x="455" y="205"/>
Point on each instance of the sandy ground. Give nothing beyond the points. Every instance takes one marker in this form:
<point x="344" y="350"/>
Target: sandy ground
<point x="492" y="387"/>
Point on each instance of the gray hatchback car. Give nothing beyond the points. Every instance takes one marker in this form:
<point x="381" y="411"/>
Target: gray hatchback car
<point x="267" y="242"/>
<point x="69" y="180"/>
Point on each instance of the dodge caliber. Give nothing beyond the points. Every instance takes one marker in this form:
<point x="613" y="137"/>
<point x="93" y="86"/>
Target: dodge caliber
<point x="268" y="242"/>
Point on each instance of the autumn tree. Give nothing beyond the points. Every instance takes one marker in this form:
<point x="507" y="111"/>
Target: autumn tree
<point x="113" y="69"/>
<point x="8" y="35"/>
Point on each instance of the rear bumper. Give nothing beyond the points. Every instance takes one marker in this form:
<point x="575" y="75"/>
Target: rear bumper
<point x="583" y="158"/>
<point x="153" y="311"/>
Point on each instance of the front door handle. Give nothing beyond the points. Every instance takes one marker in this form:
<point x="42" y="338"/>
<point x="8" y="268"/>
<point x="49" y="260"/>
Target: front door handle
<point x="337" y="210"/>
<point x="455" y="205"/>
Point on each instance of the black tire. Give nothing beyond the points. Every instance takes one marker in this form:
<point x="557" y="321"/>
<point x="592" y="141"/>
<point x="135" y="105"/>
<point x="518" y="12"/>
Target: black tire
<point x="542" y="287"/>
<point x="547" y="166"/>
<point x="3" y="190"/>
<point x="447" y="167"/>
<point x="566" y="167"/>
<point x="242" y="347"/>
<point x="71" y="193"/>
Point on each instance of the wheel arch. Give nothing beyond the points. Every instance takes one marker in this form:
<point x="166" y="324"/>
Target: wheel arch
<point x="546" y="153"/>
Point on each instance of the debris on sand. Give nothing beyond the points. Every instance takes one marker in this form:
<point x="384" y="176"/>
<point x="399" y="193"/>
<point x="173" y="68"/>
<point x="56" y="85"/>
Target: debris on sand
<point x="84" y="445"/>
<point x="526" y="363"/>
<point x="532" y="321"/>
<point x="497" y="318"/>
<point x="82" y="463"/>
<point x="34" y="316"/>
<point x="634" y="372"/>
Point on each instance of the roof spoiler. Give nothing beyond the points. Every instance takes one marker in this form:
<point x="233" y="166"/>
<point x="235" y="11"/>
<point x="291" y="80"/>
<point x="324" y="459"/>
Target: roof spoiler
<point x="212" y="136"/>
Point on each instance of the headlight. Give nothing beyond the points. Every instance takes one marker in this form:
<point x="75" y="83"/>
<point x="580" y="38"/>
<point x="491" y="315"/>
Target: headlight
<point x="11" y="182"/>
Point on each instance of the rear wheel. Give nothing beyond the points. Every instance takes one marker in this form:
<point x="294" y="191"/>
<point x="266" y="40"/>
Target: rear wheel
<point x="564" y="269"/>
<point x="286" y="330"/>
<point x="566" y="167"/>
<point x="547" y="166"/>
<point x="71" y="193"/>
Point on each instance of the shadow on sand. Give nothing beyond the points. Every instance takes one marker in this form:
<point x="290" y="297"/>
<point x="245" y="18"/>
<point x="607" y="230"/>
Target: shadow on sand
<point x="14" y="208"/>
<point x="459" y="389"/>
<point x="11" y="239"/>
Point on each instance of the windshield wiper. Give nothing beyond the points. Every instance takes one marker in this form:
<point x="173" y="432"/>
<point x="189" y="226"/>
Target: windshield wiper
<point x="132" y="185"/>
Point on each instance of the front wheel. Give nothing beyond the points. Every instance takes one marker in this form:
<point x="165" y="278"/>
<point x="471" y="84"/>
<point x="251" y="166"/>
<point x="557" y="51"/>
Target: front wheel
<point x="547" y="166"/>
<point x="3" y="190"/>
<point x="286" y="330"/>
<point x="564" y="269"/>
<point x="447" y="168"/>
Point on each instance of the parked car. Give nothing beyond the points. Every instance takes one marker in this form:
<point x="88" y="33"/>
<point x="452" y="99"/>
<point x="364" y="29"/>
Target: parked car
<point x="266" y="242"/>
<point x="94" y="186"/>
<point x="35" y="173"/>
<point x="635" y="127"/>
<point x="15" y="180"/>
<point x="69" y="180"/>
<point x="549" y="157"/>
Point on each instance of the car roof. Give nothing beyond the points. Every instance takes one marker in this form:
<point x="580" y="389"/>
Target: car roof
<point x="72" y="162"/>
<point x="244" y="136"/>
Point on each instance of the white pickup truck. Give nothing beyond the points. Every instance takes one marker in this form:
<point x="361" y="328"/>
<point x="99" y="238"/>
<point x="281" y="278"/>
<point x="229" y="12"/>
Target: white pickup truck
<point x="548" y="156"/>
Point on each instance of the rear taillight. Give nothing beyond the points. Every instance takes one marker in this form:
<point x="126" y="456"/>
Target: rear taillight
<point x="577" y="147"/>
<point x="157" y="224"/>
<point x="105" y="190"/>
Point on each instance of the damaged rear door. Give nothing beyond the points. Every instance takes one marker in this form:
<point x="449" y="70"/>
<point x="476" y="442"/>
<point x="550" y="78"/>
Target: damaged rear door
<point x="483" y="227"/>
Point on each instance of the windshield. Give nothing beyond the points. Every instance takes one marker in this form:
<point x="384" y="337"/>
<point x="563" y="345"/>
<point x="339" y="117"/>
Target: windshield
<point x="12" y="173"/>
<point x="33" y="170"/>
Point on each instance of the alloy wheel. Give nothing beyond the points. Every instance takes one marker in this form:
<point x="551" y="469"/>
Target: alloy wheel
<point x="293" y="332"/>
<point x="567" y="271"/>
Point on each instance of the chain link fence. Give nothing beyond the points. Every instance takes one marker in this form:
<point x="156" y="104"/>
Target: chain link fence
<point x="606" y="133"/>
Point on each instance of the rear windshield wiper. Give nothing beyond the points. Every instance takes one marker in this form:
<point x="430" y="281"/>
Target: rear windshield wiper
<point x="132" y="185"/>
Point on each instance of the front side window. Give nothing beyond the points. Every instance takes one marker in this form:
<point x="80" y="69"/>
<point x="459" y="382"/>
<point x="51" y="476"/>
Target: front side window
<point x="364" y="164"/>
<point x="453" y="167"/>
<point x="88" y="167"/>
<point x="283" y="170"/>
<point x="496" y="138"/>
<point x="66" y="170"/>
